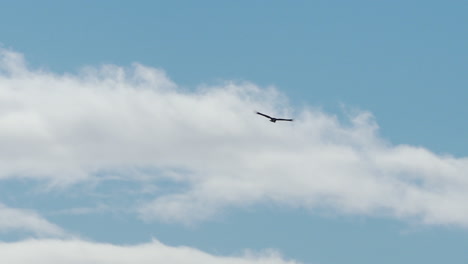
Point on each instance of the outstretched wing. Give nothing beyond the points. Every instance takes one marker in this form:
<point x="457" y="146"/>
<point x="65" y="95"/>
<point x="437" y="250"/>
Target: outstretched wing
<point x="258" y="113"/>
<point x="284" y="119"/>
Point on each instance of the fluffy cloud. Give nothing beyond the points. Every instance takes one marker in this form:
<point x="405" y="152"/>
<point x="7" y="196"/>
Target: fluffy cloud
<point x="12" y="219"/>
<point x="78" y="251"/>
<point x="70" y="128"/>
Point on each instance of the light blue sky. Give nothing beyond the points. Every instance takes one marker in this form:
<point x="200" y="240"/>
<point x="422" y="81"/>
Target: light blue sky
<point x="403" y="61"/>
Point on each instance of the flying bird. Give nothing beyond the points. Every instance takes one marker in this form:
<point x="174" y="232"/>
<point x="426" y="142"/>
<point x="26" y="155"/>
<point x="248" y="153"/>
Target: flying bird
<point x="274" y="119"/>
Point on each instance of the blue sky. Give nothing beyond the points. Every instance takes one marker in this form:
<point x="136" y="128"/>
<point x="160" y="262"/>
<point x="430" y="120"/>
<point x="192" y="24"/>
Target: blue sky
<point x="132" y="122"/>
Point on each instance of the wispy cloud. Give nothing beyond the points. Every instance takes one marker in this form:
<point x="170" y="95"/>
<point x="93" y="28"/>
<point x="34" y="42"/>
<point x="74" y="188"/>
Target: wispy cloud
<point x="78" y="251"/>
<point x="68" y="128"/>
<point x="13" y="220"/>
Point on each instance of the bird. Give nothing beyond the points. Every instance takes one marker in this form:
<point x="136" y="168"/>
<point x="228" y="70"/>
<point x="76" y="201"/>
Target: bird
<point x="274" y="119"/>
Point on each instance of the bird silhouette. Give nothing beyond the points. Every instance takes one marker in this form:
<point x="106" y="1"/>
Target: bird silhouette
<point x="274" y="119"/>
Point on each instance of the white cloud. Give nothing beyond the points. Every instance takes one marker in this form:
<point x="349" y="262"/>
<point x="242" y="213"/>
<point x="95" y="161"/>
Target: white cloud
<point x="13" y="219"/>
<point x="78" y="251"/>
<point x="67" y="128"/>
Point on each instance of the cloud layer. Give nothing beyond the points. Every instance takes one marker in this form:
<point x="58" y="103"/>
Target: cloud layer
<point x="138" y="124"/>
<point x="78" y="251"/>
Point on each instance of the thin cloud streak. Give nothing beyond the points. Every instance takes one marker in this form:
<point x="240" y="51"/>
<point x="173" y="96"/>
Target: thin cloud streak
<point x="68" y="128"/>
<point x="14" y="220"/>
